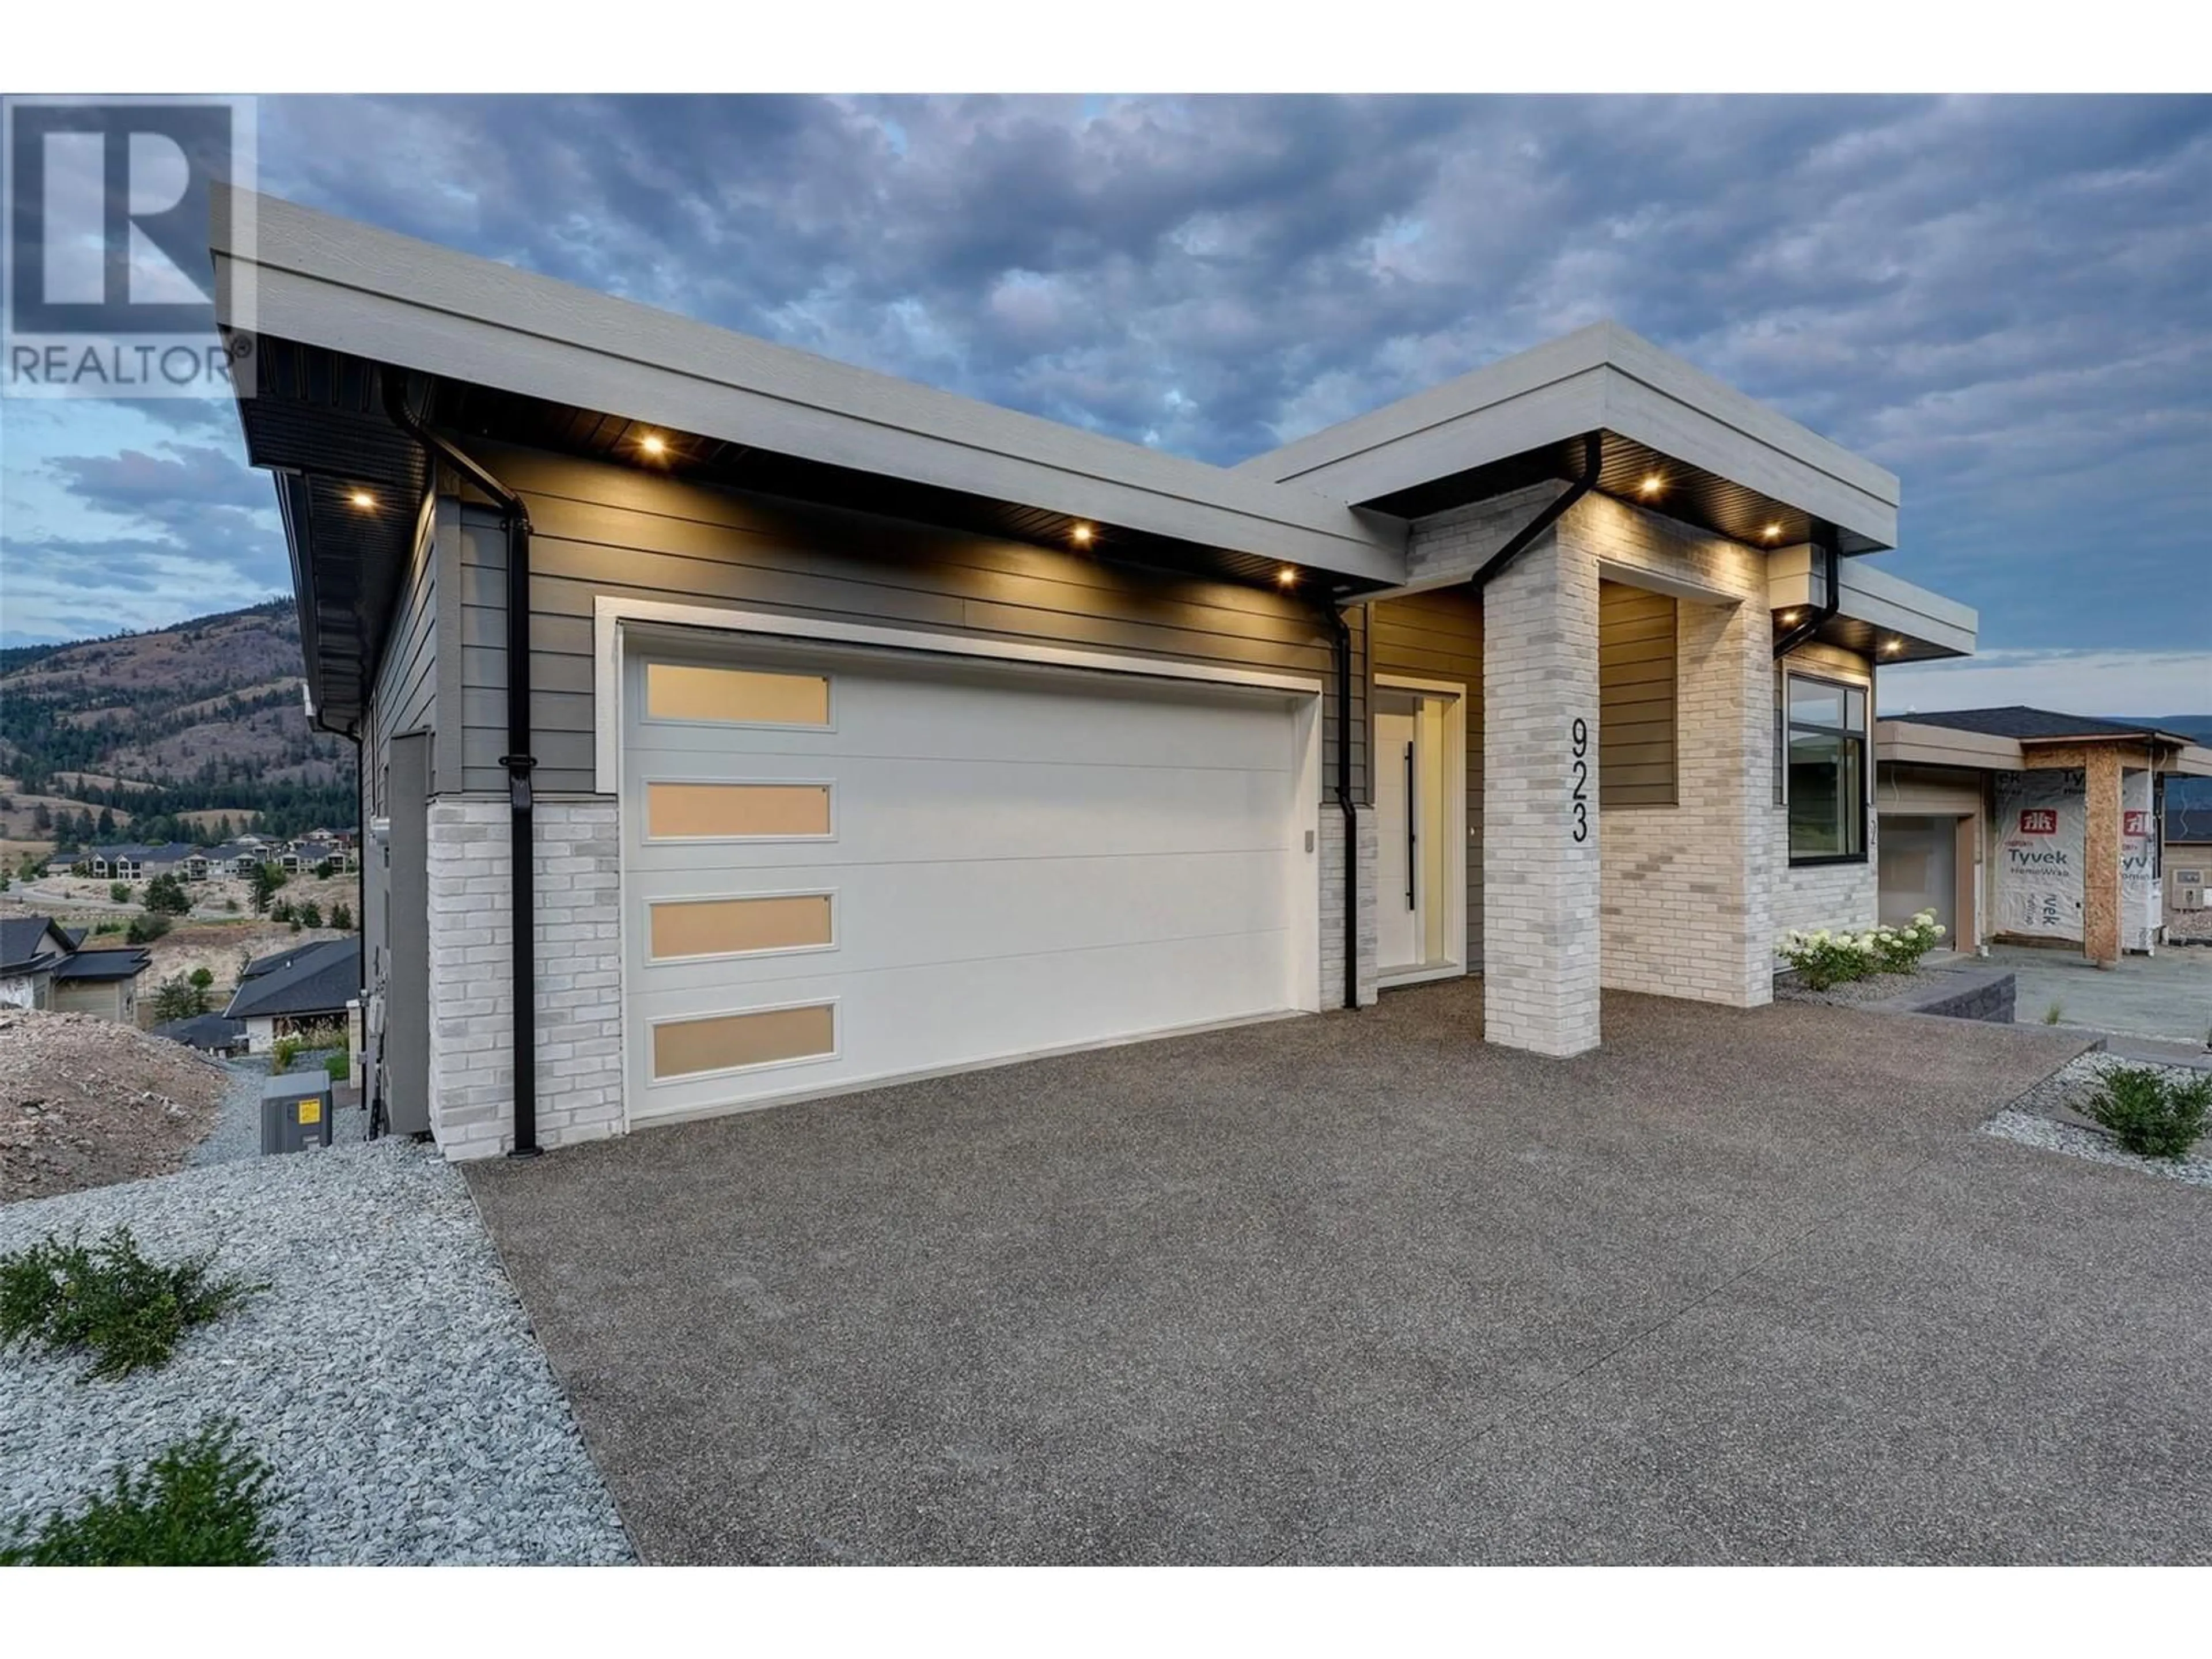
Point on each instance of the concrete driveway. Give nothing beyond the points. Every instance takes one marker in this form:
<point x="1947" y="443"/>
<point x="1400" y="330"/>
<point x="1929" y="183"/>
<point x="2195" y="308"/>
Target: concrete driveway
<point x="2166" y="996"/>
<point x="1740" y="1287"/>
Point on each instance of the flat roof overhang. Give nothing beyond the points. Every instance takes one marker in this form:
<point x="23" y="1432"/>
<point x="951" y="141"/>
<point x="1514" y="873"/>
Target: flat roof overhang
<point x="1722" y="460"/>
<point x="335" y="309"/>
<point x="1878" y="615"/>
<point x="368" y="293"/>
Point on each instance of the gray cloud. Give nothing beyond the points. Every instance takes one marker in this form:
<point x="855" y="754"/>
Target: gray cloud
<point x="2001" y="300"/>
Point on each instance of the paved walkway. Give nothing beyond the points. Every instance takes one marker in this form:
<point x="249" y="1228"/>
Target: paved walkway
<point x="2167" y="995"/>
<point x="1738" y="1287"/>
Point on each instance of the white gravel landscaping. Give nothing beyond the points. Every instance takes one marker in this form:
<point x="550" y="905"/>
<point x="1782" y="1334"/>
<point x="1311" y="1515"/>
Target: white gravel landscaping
<point x="2047" y="1116"/>
<point x="388" y="1373"/>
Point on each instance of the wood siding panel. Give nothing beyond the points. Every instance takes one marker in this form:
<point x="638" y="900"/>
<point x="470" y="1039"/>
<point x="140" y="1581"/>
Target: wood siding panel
<point x="1438" y="636"/>
<point x="1636" y="648"/>
<point x="601" y="529"/>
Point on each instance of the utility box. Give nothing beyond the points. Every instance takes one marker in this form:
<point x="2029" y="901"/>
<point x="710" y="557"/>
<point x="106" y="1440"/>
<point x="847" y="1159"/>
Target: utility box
<point x="295" y="1111"/>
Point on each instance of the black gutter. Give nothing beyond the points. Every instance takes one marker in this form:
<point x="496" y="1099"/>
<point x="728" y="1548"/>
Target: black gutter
<point x="522" y="825"/>
<point x="1832" y="598"/>
<point x="1345" y="803"/>
<point x="1522" y="539"/>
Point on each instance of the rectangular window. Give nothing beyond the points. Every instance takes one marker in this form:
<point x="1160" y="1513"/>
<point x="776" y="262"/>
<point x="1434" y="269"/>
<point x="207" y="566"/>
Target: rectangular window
<point x="733" y="926"/>
<point x="682" y="811"/>
<point x="729" y="1042"/>
<point x="1826" y="747"/>
<point x="735" y="697"/>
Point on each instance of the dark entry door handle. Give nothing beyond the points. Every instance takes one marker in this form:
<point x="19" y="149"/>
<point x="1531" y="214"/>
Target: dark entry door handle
<point x="1413" y="819"/>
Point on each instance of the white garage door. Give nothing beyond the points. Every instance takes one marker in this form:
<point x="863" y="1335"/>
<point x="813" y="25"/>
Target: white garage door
<point x="844" y="865"/>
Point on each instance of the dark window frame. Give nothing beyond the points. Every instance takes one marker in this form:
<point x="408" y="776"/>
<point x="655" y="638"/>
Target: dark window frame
<point x="1791" y="724"/>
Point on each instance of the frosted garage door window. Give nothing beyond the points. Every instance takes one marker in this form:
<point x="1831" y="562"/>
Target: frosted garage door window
<point x="729" y="1042"/>
<point x="735" y="697"/>
<point x="715" y="927"/>
<point x="692" y="812"/>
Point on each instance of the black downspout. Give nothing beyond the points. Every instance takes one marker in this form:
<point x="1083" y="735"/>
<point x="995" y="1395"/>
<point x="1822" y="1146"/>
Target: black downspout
<point x="1522" y="539"/>
<point x="522" y="826"/>
<point x="1345" y="803"/>
<point x="1832" y="594"/>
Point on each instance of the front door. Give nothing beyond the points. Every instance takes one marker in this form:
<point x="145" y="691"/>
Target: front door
<point x="1420" y="772"/>
<point x="1399" y="932"/>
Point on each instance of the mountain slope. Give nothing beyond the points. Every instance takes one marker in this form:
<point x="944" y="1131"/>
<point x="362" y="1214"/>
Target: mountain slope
<point x="205" y="716"/>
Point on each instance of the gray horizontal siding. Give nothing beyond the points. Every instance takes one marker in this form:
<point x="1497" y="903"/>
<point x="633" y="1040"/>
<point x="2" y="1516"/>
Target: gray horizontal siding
<point x="405" y="696"/>
<point x="1437" y="636"/>
<point x="1636" y="687"/>
<point x="599" y="529"/>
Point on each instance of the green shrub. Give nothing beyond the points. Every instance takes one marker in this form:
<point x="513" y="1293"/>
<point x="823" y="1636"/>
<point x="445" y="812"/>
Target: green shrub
<point x="282" y="1053"/>
<point x="2054" y="1013"/>
<point x="198" y="1503"/>
<point x="1823" y="959"/>
<point x="338" y="1066"/>
<point x="147" y="926"/>
<point x="2149" y="1115"/>
<point x="108" y="1299"/>
<point x="119" y="892"/>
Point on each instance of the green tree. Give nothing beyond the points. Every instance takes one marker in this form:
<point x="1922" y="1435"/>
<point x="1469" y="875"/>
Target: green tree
<point x="202" y="978"/>
<point x="324" y="870"/>
<point x="145" y="927"/>
<point x="107" y="824"/>
<point x="311" y="914"/>
<point x="42" y="817"/>
<point x="177" y="998"/>
<point x="267" y="879"/>
<point x="120" y="891"/>
<point x="341" y="917"/>
<point x="166" y="894"/>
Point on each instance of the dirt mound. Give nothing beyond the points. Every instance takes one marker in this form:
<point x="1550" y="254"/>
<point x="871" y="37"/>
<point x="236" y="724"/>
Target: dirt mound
<point x="85" y="1103"/>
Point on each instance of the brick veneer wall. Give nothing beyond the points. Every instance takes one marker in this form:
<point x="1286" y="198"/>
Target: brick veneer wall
<point x="1539" y="925"/>
<point x="1331" y="904"/>
<point x="1684" y="911"/>
<point x="579" y="946"/>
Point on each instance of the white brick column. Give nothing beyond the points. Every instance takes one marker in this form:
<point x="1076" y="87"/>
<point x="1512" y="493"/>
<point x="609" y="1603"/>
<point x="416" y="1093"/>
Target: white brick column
<point x="1540" y="856"/>
<point x="1332" y="903"/>
<point x="578" y="935"/>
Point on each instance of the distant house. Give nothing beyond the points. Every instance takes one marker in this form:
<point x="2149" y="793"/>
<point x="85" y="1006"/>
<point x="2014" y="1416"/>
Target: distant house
<point x="233" y="858"/>
<point x="214" y="1034"/>
<point x="130" y="861"/>
<point x="30" y="947"/>
<point x="308" y="852"/>
<point x="102" y="982"/>
<point x="2020" y="825"/>
<point x="2188" y="871"/>
<point x="307" y="985"/>
<point x="41" y="966"/>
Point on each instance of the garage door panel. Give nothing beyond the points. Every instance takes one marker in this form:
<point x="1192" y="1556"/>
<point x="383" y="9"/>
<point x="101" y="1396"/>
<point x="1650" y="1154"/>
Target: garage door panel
<point x="889" y="916"/>
<point x="913" y="811"/>
<point x="902" y="1021"/>
<point x="1016" y="717"/>
<point x="1012" y="863"/>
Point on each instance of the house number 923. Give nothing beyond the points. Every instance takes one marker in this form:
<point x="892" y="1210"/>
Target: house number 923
<point x="1578" y="801"/>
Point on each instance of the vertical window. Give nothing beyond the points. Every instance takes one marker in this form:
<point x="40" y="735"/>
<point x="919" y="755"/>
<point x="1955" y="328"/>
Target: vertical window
<point x="1827" y="770"/>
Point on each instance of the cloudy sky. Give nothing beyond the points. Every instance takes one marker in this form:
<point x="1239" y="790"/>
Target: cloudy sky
<point x="2003" y="301"/>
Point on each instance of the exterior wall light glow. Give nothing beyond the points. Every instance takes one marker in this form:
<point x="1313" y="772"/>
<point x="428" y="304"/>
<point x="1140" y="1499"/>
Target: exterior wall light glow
<point x="1652" y="484"/>
<point x="654" y="444"/>
<point x="1894" y="647"/>
<point x="363" y="500"/>
<point x="1772" y="530"/>
<point x="1080" y="535"/>
<point x="1789" y="616"/>
<point x="1286" y="577"/>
